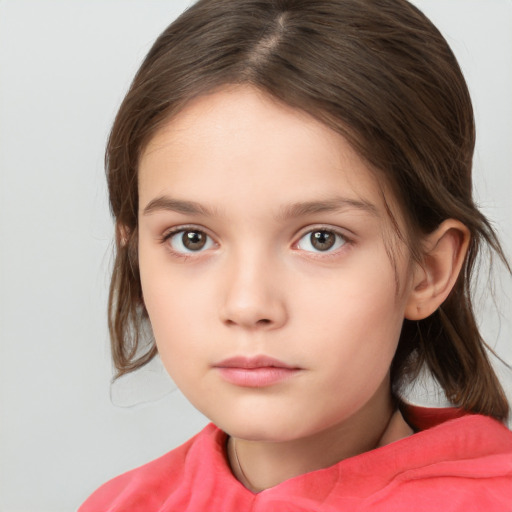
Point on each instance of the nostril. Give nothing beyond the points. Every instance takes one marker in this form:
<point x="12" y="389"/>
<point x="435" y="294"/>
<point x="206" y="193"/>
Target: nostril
<point x="262" y="322"/>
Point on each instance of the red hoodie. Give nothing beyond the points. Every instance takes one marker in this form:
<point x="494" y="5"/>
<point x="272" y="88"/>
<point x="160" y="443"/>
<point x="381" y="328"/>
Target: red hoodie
<point x="462" y="464"/>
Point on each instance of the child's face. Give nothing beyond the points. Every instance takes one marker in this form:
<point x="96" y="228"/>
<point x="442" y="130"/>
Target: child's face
<point x="262" y="234"/>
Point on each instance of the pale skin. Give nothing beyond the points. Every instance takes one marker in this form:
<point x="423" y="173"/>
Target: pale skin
<point x="259" y="189"/>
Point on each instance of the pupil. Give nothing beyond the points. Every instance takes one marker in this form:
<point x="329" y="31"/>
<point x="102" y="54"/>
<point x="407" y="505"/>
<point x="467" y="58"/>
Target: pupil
<point x="193" y="240"/>
<point x="322" y="240"/>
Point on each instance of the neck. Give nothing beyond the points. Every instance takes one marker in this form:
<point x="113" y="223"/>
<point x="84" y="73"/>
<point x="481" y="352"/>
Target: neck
<point x="259" y="465"/>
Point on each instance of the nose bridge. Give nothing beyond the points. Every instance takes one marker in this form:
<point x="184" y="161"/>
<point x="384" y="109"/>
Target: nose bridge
<point x="253" y="297"/>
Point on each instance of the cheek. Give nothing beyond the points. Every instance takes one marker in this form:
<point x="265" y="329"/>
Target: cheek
<point x="179" y="309"/>
<point x="356" y="314"/>
<point x="358" y="297"/>
<point x="173" y="312"/>
<point x="166" y="293"/>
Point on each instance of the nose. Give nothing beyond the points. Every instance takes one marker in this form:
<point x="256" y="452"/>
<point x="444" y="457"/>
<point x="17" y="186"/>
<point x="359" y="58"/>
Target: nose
<point x="253" y="298"/>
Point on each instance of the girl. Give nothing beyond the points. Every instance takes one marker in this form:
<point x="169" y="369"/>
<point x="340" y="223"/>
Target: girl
<point x="291" y="183"/>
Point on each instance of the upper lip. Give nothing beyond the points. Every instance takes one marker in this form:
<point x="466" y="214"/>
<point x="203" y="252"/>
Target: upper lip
<point x="253" y="362"/>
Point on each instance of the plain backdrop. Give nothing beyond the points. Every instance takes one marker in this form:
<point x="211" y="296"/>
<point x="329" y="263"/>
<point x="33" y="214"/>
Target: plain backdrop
<point x="64" y="68"/>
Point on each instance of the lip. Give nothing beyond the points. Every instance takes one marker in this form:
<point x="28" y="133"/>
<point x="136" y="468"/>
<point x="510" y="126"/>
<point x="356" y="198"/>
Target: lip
<point x="255" y="372"/>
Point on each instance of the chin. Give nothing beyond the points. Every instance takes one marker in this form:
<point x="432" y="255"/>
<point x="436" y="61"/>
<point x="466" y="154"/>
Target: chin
<point x="263" y="429"/>
<point x="253" y="428"/>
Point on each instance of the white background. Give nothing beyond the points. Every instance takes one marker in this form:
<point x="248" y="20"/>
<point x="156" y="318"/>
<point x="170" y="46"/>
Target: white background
<point x="64" y="67"/>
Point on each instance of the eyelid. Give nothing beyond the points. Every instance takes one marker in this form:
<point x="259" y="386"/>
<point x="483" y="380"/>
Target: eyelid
<point x="184" y="227"/>
<point x="347" y="238"/>
<point x="343" y="232"/>
<point x="169" y="233"/>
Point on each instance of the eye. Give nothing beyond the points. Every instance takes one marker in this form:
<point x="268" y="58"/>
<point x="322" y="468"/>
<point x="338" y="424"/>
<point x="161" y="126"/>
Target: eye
<point x="321" y="240"/>
<point x="189" y="241"/>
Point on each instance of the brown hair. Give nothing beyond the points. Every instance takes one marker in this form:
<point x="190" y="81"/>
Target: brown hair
<point x="376" y="71"/>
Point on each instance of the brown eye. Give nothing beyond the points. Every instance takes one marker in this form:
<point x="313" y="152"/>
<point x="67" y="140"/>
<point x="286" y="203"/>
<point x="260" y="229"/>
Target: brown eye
<point x="194" y="240"/>
<point x="321" y="240"/>
<point x="190" y="240"/>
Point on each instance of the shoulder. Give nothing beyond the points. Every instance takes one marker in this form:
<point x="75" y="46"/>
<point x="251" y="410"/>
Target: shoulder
<point x="458" y="465"/>
<point x="148" y="486"/>
<point x="464" y="463"/>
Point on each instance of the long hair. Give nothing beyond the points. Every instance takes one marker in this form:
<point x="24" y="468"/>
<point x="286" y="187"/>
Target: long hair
<point x="376" y="71"/>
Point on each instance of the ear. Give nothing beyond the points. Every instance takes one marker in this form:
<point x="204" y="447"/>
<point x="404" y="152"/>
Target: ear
<point x="444" y="253"/>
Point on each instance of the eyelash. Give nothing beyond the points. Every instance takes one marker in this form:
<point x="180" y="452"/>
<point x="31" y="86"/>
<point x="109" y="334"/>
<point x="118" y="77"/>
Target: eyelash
<point x="329" y="253"/>
<point x="166" y="237"/>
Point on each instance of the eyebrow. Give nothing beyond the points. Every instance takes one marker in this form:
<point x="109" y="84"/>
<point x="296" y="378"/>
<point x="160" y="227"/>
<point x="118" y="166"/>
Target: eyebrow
<point x="177" y="205"/>
<point x="334" y="204"/>
<point x="298" y="209"/>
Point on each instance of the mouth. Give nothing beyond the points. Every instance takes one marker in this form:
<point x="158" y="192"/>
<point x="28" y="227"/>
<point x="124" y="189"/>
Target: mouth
<point x="255" y="372"/>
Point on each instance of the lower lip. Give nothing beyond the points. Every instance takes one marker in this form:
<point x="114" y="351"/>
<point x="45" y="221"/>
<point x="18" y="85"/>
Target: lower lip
<point x="256" y="377"/>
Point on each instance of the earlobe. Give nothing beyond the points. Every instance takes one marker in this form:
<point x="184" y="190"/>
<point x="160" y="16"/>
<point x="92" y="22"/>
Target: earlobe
<point x="444" y="253"/>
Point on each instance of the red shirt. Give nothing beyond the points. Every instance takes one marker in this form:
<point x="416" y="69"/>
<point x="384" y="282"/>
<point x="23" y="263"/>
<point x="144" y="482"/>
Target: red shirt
<point x="462" y="464"/>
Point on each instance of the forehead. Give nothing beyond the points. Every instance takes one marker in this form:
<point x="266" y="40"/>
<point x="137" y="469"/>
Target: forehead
<point x="237" y="144"/>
